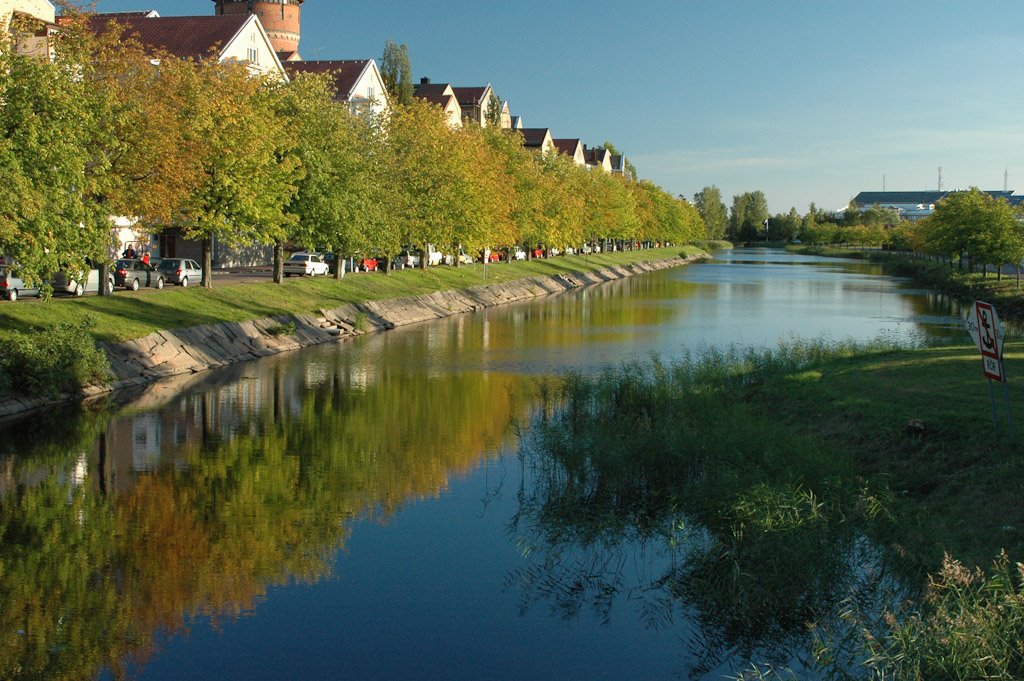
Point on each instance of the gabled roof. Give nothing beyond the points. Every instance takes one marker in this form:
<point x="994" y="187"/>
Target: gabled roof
<point x="471" y="96"/>
<point x="533" y="138"/>
<point x="288" y="56"/>
<point x="185" y="37"/>
<point x="568" y="146"/>
<point x="435" y="93"/>
<point x="346" y="72"/>
<point x="617" y="163"/>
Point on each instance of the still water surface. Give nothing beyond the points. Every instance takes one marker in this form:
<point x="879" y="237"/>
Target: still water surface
<point x="369" y="511"/>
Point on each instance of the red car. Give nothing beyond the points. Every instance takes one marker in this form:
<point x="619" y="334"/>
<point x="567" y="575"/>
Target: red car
<point x="368" y="264"/>
<point x="538" y="252"/>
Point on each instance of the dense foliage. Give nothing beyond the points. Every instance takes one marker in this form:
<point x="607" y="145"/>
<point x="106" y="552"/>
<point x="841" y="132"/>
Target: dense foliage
<point x="62" y="358"/>
<point x="111" y="127"/>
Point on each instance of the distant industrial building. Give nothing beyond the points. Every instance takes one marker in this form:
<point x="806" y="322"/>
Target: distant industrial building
<point x="918" y="205"/>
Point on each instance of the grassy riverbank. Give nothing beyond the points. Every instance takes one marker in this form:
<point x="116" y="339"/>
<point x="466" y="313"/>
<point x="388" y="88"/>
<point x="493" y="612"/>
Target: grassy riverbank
<point x="127" y="315"/>
<point x="787" y="457"/>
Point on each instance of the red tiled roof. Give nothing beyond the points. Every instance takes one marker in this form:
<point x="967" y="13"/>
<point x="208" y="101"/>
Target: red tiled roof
<point x="345" y="72"/>
<point x="185" y="37"/>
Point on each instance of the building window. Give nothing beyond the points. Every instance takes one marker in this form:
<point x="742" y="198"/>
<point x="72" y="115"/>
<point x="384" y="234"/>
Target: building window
<point x="254" y="55"/>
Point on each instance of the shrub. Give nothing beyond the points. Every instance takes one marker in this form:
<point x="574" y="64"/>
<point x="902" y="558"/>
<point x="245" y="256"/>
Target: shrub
<point x="58" y="359"/>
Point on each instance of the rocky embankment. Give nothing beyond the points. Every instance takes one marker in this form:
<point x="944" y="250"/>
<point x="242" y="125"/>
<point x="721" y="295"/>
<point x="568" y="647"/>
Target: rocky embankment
<point x="176" y="352"/>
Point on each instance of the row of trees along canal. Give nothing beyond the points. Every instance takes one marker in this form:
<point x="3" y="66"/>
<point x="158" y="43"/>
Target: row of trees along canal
<point x="966" y="226"/>
<point x="209" y="149"/>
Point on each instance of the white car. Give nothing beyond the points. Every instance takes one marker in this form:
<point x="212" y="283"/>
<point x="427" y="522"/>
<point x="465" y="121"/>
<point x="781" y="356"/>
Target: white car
<point x="518" y="254"/>
<point x="302" y="264"/>
<point x="569" y="250"/>
<point x="587" y="249"/>
<point x="464" y="259"/>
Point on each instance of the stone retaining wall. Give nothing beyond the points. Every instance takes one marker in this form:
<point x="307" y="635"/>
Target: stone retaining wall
<point x="201" y="348"/>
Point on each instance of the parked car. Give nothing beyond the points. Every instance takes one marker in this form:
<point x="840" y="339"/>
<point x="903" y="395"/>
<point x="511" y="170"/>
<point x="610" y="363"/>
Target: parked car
<point x="464" y="258"/>
<point x="369" y="264"/>
<point x="569" y="250"/>
<point x="538" y="252"/>
<point x="302" y="264"/>
<point x="181" y="271"/>
<point x="80" y="284"/>
<point x="489" y="256"/>
<point x="518" y="254"/>
<point x="586" y="249"/>
<point x="12" y="287"/>
<point x="407" y="258"/>
<point x="135" y="274"/>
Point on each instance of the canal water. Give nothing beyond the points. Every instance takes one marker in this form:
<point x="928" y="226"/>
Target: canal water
<point x="377" y="509"/>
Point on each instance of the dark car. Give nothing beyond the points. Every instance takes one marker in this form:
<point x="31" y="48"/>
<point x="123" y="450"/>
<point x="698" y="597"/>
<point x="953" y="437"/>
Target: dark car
<point x="180" y="271"/>
<point x="135" y="274"/>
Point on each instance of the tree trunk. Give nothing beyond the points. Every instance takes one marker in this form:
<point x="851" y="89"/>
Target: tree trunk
<point x="208" y="262"/>
<point x="104" y="275"/>
<point x="423" y="258"/>
<point x="339" y="267"/>
<point x="458" y="255"/>
<point x="278" y="262"/>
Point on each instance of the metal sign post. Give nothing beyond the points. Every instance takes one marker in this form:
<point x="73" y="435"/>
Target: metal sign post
<point x="987" y="331"/>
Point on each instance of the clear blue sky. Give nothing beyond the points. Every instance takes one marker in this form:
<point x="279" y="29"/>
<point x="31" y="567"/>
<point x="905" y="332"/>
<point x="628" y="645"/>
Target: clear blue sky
<point x="808" y="101"/>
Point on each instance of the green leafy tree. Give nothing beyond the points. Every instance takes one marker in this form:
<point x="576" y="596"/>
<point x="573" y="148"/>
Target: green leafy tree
<point x="493" y="113"/>
<point x="248" y="162"/>
<point x="396" y="70"/>
<point x="339" y="199"/>
<point x="975" y="224"/>
<point x="425" y="178"/>
<point x="712" y="210"/>
<point x="748" y="215"/>
<point x="49" y="217"/>
<point x="784" y="226"/>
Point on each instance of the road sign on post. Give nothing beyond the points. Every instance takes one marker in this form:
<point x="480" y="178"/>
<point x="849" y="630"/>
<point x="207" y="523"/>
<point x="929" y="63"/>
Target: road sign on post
<point x="987" y="331"/>
<point x="985" y="328"/>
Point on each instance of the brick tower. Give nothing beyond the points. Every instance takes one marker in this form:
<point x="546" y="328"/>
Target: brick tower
<point x="282" y="19"/>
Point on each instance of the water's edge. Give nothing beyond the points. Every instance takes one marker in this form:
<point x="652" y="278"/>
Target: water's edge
<point x="196" y="349"/>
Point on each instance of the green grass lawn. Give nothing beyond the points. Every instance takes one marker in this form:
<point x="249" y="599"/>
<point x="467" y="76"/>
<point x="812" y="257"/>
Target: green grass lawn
<point x="127" y="315"/>
<point x="957" y="487"/>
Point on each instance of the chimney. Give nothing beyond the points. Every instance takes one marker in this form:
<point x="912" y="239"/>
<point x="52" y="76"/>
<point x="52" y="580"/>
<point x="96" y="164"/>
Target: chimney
<point x="424" y="81"/>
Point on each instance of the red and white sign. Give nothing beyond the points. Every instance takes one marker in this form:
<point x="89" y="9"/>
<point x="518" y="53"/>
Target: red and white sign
<point x="987" y="331"/>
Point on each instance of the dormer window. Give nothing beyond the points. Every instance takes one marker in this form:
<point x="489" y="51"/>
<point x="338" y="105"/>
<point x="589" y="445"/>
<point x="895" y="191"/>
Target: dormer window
<point x="254" y="55"/>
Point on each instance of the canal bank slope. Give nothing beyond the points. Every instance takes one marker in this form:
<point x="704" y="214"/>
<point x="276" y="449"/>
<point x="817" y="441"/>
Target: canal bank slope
<point x="193" y="349"/>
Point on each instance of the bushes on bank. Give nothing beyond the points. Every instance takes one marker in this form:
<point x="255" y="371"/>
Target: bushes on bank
<point x="44" y="363"/>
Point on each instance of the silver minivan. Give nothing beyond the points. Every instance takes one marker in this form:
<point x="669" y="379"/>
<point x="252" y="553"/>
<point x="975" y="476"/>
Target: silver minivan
<point x="79" y="285"/>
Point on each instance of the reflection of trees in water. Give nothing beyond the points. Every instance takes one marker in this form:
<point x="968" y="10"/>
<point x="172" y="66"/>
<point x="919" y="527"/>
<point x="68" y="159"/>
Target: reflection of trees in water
<point x="689" y="526"/>
<point x="244" y="486"/>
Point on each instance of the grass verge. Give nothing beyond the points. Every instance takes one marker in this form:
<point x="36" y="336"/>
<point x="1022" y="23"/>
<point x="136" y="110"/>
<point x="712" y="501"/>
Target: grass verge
<point x="127" y="315"/>
<point x="787" y="458"/>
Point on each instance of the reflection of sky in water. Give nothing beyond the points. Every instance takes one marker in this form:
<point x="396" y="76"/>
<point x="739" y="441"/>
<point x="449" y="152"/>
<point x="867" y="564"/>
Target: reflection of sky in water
<point x="433" y="588"/>
<point x="744" y="297"/>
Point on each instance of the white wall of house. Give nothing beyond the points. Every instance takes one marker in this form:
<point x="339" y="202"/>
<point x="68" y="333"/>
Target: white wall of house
<point x="37" y="9"/>
<point x="369" y="92"/>
<point x="252" y="45"/>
